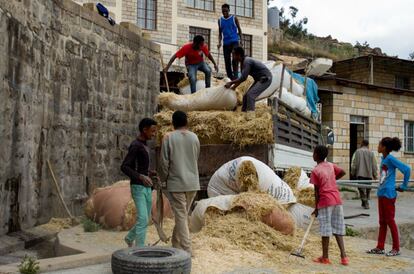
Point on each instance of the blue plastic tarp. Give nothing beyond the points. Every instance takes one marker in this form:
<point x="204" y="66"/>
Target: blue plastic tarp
<point x="312" y="97"/>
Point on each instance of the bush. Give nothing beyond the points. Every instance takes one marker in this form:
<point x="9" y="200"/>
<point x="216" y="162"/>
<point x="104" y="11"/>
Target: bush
<point x="89" y="225"/>
<point x="352" y="233"/>
<point x="29" y="265"/>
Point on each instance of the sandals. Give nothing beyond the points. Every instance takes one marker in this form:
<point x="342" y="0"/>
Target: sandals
<point x="129" y="243"/>
<point x="393" y="253"/>
<point x="322" y="260"/>
<point x="345" y="261"/>
<point x="376" y="251"/>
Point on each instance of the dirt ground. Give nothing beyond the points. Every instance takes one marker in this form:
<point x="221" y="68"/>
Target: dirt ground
<point x="219" y="255"/>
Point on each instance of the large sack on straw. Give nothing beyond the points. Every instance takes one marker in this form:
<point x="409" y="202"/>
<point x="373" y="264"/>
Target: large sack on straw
<point x="222" y="203"/>
<point x="276" y="70"/>
<point x="301" y="214"/>
<point x="213" y="98"/>
<point x="225" y="181"/>
<point x="113" y="206"/>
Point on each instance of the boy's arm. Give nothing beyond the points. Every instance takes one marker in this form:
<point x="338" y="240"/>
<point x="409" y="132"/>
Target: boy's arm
<point x="239" y="30"/>
<point x="375" y="167"/>
<point x="353" y="166"/>
<point x="339" y="172"/>
<point x="165" y="160"/>
<point x="315" y="212"/>
<point x="220" y="37"/>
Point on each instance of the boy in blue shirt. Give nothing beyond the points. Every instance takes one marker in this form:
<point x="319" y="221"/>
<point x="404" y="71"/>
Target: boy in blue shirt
<point x="387" y="194"/>
<point x="230" y="32"/>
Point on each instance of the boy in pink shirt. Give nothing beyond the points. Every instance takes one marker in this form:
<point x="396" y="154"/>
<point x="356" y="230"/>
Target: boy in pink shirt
<point x="328" y="203"/>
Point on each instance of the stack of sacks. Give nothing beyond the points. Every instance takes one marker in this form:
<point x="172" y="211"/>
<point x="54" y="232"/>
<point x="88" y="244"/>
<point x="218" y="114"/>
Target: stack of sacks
<point x="113" y="207"/>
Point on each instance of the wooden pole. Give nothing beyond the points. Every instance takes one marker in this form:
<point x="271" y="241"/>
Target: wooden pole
<point x="281" y="81"/>
<point x="165" y="74"/>
<point x="58" y="191"/>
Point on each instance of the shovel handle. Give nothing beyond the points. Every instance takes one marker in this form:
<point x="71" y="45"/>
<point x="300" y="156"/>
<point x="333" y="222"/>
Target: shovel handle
<point x="307" y="232"/>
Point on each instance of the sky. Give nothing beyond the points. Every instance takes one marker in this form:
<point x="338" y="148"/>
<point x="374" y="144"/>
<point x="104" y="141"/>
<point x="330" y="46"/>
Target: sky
<point x="385" y="24"/>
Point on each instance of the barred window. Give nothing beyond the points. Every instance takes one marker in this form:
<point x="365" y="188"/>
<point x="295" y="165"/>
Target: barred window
<point x="241" y="7"/>
<point x="247" y="44"/>
<point x="409" y="136"/>
<point x="194" y="31"/>
<point x="201" y="4"/>
<point x="147" y="14"/>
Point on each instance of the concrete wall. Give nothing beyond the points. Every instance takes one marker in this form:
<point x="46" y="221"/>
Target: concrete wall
<point x="73" y="89"/>
<point x="385" y="111"/>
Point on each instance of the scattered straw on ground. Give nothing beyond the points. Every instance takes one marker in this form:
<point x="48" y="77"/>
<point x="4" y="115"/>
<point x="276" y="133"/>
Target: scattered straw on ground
<point x="224" y="127"/>
<point x="57" y="224"/>
<point x="232" y="241"/>
<point x="292" y="176"/>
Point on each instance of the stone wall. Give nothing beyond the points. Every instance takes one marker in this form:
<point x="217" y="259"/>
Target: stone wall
<point x="73" y="89"/>
<point x="385" y="111"/>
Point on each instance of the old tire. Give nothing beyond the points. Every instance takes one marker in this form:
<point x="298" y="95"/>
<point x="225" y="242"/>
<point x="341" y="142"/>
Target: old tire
<point x="151" y="260"/>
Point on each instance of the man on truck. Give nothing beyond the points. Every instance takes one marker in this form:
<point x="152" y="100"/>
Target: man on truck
<point x="260" y="73"/>
<point x="194" y="61"/>
<point x="230" y="33"/>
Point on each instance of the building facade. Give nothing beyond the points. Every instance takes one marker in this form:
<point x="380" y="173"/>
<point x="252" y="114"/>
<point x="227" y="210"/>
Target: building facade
<point x="370" y="97"/>
<point x="172" y="23"/>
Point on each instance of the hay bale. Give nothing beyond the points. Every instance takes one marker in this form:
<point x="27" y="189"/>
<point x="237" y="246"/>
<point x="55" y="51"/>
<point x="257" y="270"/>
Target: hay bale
<point x="224" y="127"/>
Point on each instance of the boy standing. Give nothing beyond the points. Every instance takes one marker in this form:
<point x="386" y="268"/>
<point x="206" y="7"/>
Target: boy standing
<point x="328" y="204"/>
<point x="136" y="167"/>
<point x="230" y="33"/>
<point x="178" y="167"/>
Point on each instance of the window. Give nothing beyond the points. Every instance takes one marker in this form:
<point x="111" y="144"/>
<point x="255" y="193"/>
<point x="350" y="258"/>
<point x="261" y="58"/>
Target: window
<point x="147" y="14"/>
<point x="409" y="136"/>
<point x="402" y="82"/>
<point x="200" y="31"/>
<point x="247" y="44"/>
<point x="241" y="7"/>
<point x="201" y="4"/>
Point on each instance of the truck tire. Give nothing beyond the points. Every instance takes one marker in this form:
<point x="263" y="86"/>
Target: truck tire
<point x="151" y="260"/>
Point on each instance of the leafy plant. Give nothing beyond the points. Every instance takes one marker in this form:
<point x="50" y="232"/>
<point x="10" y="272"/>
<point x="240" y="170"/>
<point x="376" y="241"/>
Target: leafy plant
<point x="350" y="232"/>
<point x="29" y="265"/>
<point x="89" y="225"/>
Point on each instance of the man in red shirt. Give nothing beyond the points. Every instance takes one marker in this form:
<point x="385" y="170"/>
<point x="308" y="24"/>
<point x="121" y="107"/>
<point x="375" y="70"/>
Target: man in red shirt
<point x="194" y="61"/>
<point x="328" y="201"/>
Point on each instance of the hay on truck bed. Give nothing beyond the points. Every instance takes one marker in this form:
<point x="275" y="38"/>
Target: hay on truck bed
<point x="223" y="127"/>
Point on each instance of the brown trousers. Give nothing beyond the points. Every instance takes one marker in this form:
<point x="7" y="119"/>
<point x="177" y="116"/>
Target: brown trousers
<point x="180" y="204"/>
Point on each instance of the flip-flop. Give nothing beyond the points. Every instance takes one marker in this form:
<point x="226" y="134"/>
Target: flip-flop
<point x="393" y="253"/>
<point x="345" y="261"/>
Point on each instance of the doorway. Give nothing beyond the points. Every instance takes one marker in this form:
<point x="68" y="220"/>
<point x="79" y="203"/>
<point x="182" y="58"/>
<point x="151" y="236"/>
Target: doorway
<point x="357" y="133"/>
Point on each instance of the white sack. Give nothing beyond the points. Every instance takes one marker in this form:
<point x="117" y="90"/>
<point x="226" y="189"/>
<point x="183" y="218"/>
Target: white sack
<point x="304" y="181"/>
<point x="200" y="84"/>
<point x="224" y="181"/>
<point x="214" y="98"/>
<point x="301" y="214"/>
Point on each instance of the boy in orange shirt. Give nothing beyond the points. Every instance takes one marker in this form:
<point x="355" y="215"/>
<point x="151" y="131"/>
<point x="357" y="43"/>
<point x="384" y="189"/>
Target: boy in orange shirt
<point x="328" y="203"/>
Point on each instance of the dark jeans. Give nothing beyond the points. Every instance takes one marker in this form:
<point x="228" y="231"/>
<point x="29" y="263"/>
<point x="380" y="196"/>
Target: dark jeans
<point x="249" y="99"/>
<point x="364" y="193"/>
<point x="192" y="74"/>
<point x="231" y="65"/>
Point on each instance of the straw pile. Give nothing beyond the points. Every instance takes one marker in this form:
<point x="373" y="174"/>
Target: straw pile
<point x="292" y="176"/>
<point x="224" y="127"/>
<point x="306" y="196"/>
<point x="247" y="177"/>
<point x="256" y="205"/>
<point x="243" y="88"/>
